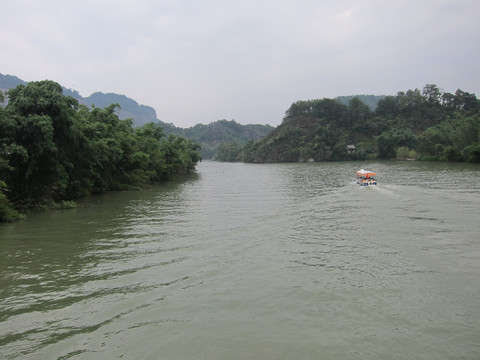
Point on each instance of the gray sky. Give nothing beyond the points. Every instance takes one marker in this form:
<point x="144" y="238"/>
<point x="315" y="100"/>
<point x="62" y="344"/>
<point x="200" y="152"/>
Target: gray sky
<point x="199" y="61"/>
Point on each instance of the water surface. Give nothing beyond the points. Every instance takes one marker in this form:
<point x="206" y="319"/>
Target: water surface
<point x="248" y="261"/>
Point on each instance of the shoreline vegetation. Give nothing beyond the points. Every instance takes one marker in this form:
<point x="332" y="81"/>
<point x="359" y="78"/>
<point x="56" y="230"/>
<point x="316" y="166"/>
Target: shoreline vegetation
<point x="54" y="151"/>
<point x="420" y="125"/>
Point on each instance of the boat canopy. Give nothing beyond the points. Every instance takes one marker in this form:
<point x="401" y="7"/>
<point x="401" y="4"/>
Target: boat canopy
<point x="364" y="172"/>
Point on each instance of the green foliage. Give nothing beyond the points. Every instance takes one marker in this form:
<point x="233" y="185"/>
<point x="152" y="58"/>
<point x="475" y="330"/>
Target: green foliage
<point x="322" y="110"/>
<point x="446" y="126"/>
<point x="314" y="130"/>
<point x="472" y="153"/>
<point x="64" y="204"/>
<point x="7" y="212"/>
<point x="211" y="136"/>
<point x="455" y="139"/>
<point x="181" y="156"/>
<point x="228" y="151"/>
<point x="404" y="153"/>
<point x="390" y="141"/>
<point x="426" y="125"/>
<point x="54" y="150"/>
<point x="38" y="119"/>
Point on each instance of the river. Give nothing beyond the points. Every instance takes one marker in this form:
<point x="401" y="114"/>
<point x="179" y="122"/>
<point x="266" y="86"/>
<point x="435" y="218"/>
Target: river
<point x="252" y="261"/>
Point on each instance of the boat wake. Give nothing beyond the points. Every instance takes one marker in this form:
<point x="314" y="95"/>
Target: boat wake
<point x="388" y="190"/>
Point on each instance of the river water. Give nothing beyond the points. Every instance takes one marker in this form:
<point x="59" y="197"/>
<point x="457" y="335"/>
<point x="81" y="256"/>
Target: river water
<point x="249" y="261"/>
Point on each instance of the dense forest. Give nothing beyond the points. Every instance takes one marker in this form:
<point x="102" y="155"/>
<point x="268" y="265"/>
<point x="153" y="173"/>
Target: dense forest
<point x="54" y="150"/>
<point x="423" y="125"/>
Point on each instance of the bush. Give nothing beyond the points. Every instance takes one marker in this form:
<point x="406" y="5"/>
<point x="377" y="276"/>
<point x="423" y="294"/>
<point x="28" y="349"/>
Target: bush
<point x="405" y="153"/>
<point x="7" y="212"/>
<point x="472" y="153"/>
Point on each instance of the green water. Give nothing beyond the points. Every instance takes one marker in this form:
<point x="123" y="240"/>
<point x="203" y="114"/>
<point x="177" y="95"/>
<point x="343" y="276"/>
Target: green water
<point x="246" y="261"/>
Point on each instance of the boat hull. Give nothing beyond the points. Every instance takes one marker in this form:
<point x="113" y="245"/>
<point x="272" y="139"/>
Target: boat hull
<point x="366" y="178"/>
<point x="367" y="183"/>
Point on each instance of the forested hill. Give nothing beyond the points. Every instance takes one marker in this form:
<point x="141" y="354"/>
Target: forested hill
<point x="209" y="136"/>
<point x="213" y="135"/>
<point x="417" y="124"/>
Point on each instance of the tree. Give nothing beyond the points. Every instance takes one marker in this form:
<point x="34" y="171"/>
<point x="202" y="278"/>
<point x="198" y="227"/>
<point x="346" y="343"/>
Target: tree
<point x="432" y="94"/>
<point x="180" y="155"/>
<point x="44" y="117"/>
<point x="389" y="141"/>
<point x="228" y="151"/>
<point x="8" y="148"/>
<point x="359" y="115"/>
<point x="7" y="212"/>
<point x="387" y="107"/>
<point x="472" y="153"/>
<point x="432" y="141"/>
<point x="466" y="102"/>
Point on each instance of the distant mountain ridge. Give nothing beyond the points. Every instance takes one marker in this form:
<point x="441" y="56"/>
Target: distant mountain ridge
<point x="129" y="108"/>
<point x="9" y="81"/>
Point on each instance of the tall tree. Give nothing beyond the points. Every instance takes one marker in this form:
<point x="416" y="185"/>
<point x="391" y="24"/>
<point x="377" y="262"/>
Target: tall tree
<point x="44" y="117"/>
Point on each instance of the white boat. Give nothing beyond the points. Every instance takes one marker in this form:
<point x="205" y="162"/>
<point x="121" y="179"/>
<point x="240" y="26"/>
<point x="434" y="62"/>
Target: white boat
<point x="366" y="177"/>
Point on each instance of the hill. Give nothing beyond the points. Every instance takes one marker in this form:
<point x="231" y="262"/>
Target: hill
<point x="416" y="124"/>
<point x="129" y="108"/>
<point x="9" y="81"/>
<point x="317" y="130"/>
<point x="208" y="136"/>
<point x="212" y="136"/>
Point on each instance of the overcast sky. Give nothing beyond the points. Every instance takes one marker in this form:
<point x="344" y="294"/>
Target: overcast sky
<point x="198" y="61"/>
